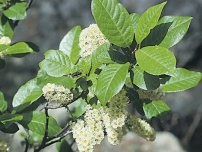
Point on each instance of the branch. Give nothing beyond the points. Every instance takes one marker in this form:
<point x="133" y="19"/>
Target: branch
<point x="193" y="126"/>
<point x="58" y="139"/>
<point x="26" y="145"/>
<point x="29" y="3"/>
<point x="44" y="140"/>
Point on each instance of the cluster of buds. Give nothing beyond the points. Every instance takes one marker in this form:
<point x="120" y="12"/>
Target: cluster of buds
<point x="150" y="94"/>
<point x="114" y="117"/>
<point x="57" y="94"/>
<point x="90" y="39"/>
<point x="141" y="127"/>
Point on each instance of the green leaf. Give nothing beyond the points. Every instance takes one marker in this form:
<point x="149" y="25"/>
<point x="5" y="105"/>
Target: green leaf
<point x="78" y="108"/>
<point x="10" y="118"/>
<point x="156" y="35"/>
<point x="182" y="80"/>
<point x="135" y="18"/>
<point x="18" y="48"/>
<point x="114" y="21"/>
<point x="155" y="108"/>
<point x="36" y="122"/>
<point x="56" y="63"/>
<point x="10" y="128"/>
<point x="101" y="56"/>
<point x="34" y="138"/>
<point x="144" y="80"/>
<point x="3" y="103"/>
<point x="64" y="146"/>
<point x="27" y="94"/>
<point x="177" y="30"/>
<point x="156" y="60"/>
<point x="110" y="81"/>
<point x="148" y="21"/>
<point x="43" y="79"/>
<point x="70" y="44"/>
<point x="16" y="11"/>
<point x="6" y="27"/>
<point x="84" y="65"/>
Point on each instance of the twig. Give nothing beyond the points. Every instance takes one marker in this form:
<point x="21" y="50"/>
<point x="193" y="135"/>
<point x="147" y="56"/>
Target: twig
<point x="59" y="134"/>
<point x="58" y="139"/>
<point x="63" y="131"/>
<point x="26" y="145"/>
<point x="193" y="126"/>
<point x="29" y="3"/>
<point x="44" y="140"/>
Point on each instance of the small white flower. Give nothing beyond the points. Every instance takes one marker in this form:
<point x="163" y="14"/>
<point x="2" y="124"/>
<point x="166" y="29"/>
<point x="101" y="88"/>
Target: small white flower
<point x="57" y="94"/>
<point x="90" y="39"/>
<point x="88" y="132"/>
<point x="5" y="40"/>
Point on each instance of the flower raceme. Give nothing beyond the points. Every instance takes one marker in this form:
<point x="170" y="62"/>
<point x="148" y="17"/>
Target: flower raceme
<point x="110" y="120"/>
<point x="90" y="39"/>
<point x="57" y="94"/>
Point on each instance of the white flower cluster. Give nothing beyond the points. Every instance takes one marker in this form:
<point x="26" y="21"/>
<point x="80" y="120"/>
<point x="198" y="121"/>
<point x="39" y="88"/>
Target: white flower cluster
<point x="57" y="94"/>
<point x="90" y="39"/>
<point x="141" y="127"/>
<point x="114" y="117"/>
<point x="112" y="120"/>
<point x="88" y="132"/>
<point x="150" y="94"/>
<point x="5" y="40"/>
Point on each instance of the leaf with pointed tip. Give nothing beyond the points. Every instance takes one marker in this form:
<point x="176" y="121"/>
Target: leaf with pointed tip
<point x="148" y="21"/>
<point x="155" y="108"/>
<point x="18" y="48"/>
<point x="114" y="21"/>
<point x="16" y="11"/>
<point x="27" y="94"/>
<point x="110" y="81"/>
<point x="56" y="63"/>
<point x="183" y="80"/>
<point x="156" y="60"/>
<point x="145" y="80"/>
<point x="3" y="103"/>
<point x="177" y="30"/>
<point x="156" y="35"/>
<point x="70" y="44"/>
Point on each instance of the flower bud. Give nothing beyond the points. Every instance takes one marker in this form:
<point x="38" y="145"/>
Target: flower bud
<point x="141" y="127"/>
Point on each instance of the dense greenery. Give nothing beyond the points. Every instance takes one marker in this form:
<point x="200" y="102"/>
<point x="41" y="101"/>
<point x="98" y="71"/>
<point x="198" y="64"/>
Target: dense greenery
<point x="133" y="54"/>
